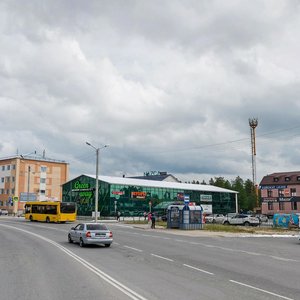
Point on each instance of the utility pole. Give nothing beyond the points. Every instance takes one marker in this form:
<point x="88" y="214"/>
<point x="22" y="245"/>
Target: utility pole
<point x="28" y="182"/>
<point x="253" y="124"/>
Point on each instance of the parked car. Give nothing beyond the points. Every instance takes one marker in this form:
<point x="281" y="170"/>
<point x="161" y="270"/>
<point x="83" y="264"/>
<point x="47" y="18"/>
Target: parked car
<point x="3" y="212"/>
<point x="242" y="219"/>
<point x="90" y="233"/>
<point x="262" y="218"/>
<point x="215" y="218"/>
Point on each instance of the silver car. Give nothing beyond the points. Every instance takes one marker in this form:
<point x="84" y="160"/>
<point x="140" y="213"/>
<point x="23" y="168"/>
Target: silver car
<point x="90" y="233"/>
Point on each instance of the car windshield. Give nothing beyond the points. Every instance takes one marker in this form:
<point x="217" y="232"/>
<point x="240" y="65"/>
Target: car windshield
<point x="96" y="227"/>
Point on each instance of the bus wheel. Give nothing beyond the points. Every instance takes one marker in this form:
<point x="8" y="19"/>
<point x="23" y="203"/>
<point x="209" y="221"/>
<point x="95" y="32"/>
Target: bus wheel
<point x="48" y="220"/>
<point x="30" y="218"/>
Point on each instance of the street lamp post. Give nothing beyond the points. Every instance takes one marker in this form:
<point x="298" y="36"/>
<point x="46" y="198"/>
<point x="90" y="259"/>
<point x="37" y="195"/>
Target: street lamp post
<point x="97" y="184"/>
<point x="28" y="183"/>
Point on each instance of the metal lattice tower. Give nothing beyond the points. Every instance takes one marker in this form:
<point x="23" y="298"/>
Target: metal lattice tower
<point x="253" y="124"/>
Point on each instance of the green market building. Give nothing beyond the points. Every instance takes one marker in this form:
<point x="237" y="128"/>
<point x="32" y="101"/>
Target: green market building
<point x="133" y="196"/>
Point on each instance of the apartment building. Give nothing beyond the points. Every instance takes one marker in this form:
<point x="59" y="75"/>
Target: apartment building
<point x="280" y="193"/>
<point x="30" y="178"/>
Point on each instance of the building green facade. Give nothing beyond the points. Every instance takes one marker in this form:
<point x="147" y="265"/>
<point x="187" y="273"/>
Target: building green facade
<point x="134" y="196"/>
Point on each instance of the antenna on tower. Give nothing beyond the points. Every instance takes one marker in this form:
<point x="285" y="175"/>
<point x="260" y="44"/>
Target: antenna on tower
<point x="253" y="124"/>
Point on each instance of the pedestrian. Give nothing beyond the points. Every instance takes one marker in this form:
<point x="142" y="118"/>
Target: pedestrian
<point x="153" y="221"/>
<point x="150" y="219"/>
<point x="118" y="216"/>
<point x="145" y="216"/>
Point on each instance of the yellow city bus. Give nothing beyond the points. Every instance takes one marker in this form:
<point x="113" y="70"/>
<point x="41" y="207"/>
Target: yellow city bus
<point x="50" y="211"/>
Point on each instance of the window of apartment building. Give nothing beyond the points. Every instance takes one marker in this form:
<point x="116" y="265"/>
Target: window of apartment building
<point x="3" y="168"/>
<point x="43" y="169"/>
<point x="270" y="205"/>
<point x="42" y="180"/>
<point x="13" y="191"/>
<point x="270" y="193"/>
<point x="7" y="179"/>
<point x="13" y="167"/>
<point x="275" y="179"/>
<point x="281" y="192"/>
<point x="294" y="206"/>
<point x="281" y="205"/>
<point x="7" y="192"/>
<point x="2" y="179"/>
<point x="13" y="178"/>
<point x="42" y="192"/>
<point x="1" y="191"/>
<point x="293" y="192"/>
<point x="8" y="167"/>
<point x="287" y="178"/>
<point x="298" y="178"/>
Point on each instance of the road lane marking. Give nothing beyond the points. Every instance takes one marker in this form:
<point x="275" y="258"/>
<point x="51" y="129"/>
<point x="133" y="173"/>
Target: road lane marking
<point x="283" y="259"/>
<point x="251" y="253"/>
<point x="135" y="249"/>
<point x="261" y="290"/>
<point x="197" y="269"/>
<point x="118" y="285"/>
<point x="165" y="258"/>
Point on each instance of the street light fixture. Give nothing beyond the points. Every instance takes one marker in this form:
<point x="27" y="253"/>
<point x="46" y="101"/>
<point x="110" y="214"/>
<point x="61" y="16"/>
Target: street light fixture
<point x="97" y="185"/>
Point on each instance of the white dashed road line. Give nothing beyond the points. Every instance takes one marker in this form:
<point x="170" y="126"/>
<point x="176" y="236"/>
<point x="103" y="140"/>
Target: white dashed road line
<point x="197" y="269"/>
<point x="260" y="290"/>
<point x="135" y="249"/>
<point x="165" y="258"/>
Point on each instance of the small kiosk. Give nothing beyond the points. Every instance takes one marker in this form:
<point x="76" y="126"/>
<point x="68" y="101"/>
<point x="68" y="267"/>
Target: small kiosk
<point x="184" y="217"/>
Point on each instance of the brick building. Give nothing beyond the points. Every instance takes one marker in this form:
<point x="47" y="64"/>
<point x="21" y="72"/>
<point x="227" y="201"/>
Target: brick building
<point x="30" y="178"/>
<point x="280" y="193"/>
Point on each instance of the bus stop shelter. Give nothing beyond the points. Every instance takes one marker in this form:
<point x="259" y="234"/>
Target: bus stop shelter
<point x="184" y="217"/>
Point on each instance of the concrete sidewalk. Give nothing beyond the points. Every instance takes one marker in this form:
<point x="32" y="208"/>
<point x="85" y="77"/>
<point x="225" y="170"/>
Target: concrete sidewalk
<point x="208" y="233"/>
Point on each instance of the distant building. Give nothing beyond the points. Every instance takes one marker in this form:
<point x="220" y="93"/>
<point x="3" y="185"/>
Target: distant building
<point x="30" y="178"/>
<point x="280" y="193"/>
<point x="157" y="175"/>
<point x="132" y="196"/>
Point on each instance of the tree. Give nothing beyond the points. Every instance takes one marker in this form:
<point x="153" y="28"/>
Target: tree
<point x="238" y="185"/>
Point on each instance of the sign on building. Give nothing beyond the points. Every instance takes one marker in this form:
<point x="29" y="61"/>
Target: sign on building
<point x="206" y="198"/>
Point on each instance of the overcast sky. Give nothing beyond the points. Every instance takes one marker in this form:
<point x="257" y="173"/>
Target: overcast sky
<point x="169" y="85"/>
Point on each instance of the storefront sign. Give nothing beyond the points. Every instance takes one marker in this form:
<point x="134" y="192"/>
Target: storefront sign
<point x="206" y="198"/>
<point x="118" y="192"/>
<point x="140" y="195"/>
<point x="284" y="199"/>
<point x="269" y="199"/>
<point x="80" y="186"/>
<point x="273" y="187"/>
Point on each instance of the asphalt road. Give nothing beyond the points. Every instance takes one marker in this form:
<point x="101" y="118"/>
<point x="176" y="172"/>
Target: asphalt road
<point x="37" y="262"/>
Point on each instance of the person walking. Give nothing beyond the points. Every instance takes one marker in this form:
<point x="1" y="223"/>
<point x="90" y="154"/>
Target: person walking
<point x="153" y="221"/>
<point x="150" y="219"/>
<point x="118" y="216"/>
